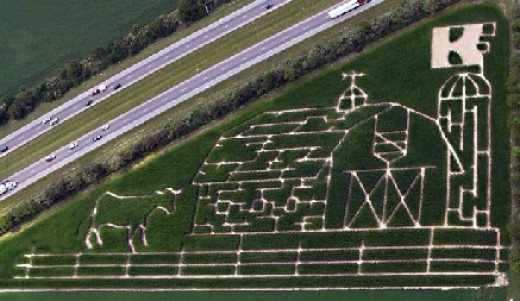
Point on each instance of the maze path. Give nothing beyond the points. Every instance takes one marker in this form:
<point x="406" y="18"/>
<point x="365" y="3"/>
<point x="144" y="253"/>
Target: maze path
<point x="364" y="260"/>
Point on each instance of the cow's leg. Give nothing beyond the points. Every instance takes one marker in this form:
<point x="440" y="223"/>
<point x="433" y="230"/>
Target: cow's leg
<point x="88" y="244"/>
<point x="97" y="236"/>
<point x="130" y="239"/>
<point x="97" y="233"/>
<point x="142" y="228"/>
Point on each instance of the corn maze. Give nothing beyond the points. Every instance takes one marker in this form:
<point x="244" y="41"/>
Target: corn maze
<point x="359" y="191"/>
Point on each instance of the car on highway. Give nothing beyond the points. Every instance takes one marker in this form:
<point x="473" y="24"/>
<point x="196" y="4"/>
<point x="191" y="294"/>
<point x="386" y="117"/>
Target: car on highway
<point x="73" y="145"/>
<point x="89" y="102"/>
<point x="105" y="127"/>
<point x="99" y="89"/>
<point x="269" y="5"/>
<point x="54" y="121"/>
<point x="3" y="189"/>
<point x="10" y="184"/>
<point x="46" y="120"/>
<point x="4" y="148"/>
<point x="117" y="86"/>
<point x="98" y="137"/>
<point x="50" y="158"/>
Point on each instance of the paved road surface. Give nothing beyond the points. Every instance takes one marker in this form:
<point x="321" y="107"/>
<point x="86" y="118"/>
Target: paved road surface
<point x="142" y="69"/>
<point x="180" y="93"/>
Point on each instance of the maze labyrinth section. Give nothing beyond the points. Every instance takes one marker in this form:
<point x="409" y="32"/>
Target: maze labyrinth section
<point x="465" y="114"/>
<point x="403" y="202"/>
<point x="424" y="252"/>
<point x="272" y="176"/>
<point x="277" y="172"/>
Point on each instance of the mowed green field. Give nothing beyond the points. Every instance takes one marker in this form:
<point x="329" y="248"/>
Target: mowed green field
<point x="407" y="55"/>
<point x="38" y="37"/>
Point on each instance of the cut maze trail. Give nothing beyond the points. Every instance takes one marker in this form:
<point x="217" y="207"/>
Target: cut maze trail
<point x="303" y="265"/>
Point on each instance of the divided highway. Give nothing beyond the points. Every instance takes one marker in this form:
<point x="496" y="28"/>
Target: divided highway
<point x="142" y="69"/>
<point x="181" y="92"/>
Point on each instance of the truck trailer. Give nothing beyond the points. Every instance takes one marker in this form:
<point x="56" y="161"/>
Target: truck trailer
<point x="346" y="7"/>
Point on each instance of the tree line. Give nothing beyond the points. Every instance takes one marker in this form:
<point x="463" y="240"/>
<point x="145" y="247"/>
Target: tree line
<point x="73" y="74"/>
<point x="348" y="42"/>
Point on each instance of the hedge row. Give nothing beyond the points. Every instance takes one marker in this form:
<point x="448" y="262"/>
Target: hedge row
<point x="513" y="86"/>
<point x="350" y="41"/>
<point x="73" y="74"/>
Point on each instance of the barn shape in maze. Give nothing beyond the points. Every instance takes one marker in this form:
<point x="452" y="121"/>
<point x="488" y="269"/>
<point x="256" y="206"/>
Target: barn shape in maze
<point x="358" y="189"/>
<point x="276" y="173"/>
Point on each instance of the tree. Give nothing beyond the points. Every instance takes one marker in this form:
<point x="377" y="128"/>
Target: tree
<point x="190" y="11"/>
<point x="516" y="40"/>
<point x="515" y="25"/>
<point x="16" y="110"/>
<point x="313" y="59"/>
<point x="4" y="116"/>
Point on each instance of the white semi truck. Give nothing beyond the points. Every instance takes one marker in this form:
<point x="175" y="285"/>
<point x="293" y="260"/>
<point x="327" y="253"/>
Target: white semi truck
<point x="346" y="7"/>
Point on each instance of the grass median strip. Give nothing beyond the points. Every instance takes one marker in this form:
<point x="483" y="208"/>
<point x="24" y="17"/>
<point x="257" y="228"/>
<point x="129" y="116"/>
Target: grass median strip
<point x="160" y="81"/>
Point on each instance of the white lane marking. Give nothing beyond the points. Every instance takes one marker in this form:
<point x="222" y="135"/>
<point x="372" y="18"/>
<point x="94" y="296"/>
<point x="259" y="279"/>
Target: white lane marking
<point x="206" y="36"/>
<point x="226" y="26"/>
<point x="187" y="46"/>
<point x="244" y="16"/>
<point x="223" y="68"/>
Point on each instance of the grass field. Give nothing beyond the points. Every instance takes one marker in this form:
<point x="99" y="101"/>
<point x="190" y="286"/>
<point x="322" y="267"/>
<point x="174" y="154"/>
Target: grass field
<point x="178" y="167"/>
<point x="160" y="82"/>
<point x="40" y="37"/>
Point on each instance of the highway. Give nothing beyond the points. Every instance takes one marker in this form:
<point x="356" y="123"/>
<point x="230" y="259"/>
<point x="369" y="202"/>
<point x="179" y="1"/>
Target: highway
<point x="181" y="92"/>
<point x="142" y="69"/>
